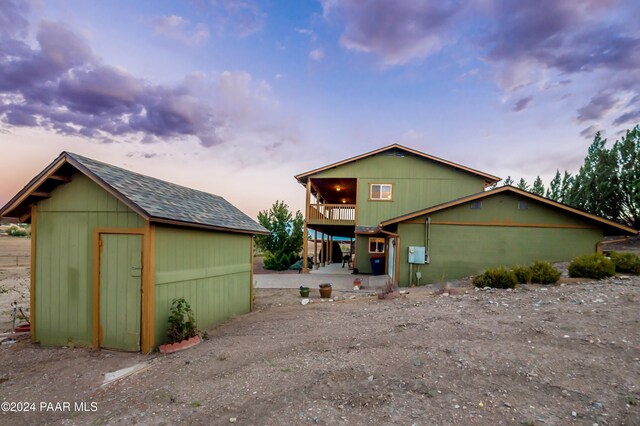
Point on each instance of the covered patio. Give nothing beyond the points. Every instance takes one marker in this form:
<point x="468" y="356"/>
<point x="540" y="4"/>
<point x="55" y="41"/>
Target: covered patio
<point x="339" y="279"/>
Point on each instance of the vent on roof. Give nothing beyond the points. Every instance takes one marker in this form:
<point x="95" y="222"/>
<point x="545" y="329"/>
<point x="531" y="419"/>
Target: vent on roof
<point x="394" y="153"/>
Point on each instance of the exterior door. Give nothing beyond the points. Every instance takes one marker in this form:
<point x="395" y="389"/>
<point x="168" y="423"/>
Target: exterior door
<point x="120" y="291"/>
<point x="391" y="258"/>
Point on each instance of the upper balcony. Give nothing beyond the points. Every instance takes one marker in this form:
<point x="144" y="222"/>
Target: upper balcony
<point x="332" y="214"/>
<point x="331" y="201"/>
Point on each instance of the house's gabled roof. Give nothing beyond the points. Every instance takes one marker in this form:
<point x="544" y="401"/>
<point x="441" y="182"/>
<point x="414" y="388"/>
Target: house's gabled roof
<point x="153" y="199"/>
<point x="607" y="224"/>
<point x="302" y="178"/>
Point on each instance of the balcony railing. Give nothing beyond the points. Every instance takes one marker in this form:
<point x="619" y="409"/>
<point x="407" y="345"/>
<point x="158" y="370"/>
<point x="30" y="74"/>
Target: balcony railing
<point x="332" y="214"/>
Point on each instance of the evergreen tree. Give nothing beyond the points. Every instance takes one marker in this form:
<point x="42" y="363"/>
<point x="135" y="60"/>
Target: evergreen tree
<point x="576" y="192"/>
<point x="608" y="183"/>
<point x="565" y="186"/>
<point x="553" y="192"/>
<point x="523" y="185"/>
<point x="286" y="229"/>
<point x="627" y="151"/>
<point x="538" y="187"/>
<point x="599" y="192"/>
<point x="507" y="181"/>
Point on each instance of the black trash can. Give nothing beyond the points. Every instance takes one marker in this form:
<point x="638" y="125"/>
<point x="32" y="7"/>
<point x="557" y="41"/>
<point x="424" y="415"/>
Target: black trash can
<point x="377" y="265"/>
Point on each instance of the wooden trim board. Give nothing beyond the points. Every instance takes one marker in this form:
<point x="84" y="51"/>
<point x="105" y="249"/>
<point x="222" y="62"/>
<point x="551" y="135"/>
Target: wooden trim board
<point x="32" y="286"/>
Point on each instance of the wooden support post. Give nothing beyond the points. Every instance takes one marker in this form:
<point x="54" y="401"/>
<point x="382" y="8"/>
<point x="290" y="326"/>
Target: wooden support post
<point x="396" y="263"/>
<point x="305" y="249"/>
<point x="323" y="252"/>
<point x="305" y="235"/>
<point x="316" y="264"/>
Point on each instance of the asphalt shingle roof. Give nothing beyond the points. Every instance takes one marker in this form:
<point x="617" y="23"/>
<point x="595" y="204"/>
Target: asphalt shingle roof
<point x="164" y="200"/>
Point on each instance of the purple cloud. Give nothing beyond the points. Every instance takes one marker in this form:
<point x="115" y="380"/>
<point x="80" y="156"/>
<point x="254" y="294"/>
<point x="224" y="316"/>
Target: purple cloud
<point x="12" y="20"/>
<point x="632" y="114"/>
<point x="61" y="85"/>
<point x="545" y="41"/>
<point x="177" y="28"/>
<point x="240" y="17"/>
<point x="598" y="107"/>
<point x="396" y="31"/>
<point x="569" y="39"/>
<point x="590" y="132"/>
<point x="522" y="104"/>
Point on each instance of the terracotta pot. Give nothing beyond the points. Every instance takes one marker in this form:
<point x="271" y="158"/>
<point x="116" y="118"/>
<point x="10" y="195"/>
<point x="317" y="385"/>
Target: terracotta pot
<point x="170" y="348"/>
<point x="325" y="291"/>
<point x="357" y="283"/>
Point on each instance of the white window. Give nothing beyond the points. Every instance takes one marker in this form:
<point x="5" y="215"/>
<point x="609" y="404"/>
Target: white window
<point x="376" y="245"/>
<point x="380" y="191"/>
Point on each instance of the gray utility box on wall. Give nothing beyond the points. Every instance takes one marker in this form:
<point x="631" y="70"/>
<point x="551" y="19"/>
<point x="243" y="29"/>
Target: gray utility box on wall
<point x="417" y="255"/>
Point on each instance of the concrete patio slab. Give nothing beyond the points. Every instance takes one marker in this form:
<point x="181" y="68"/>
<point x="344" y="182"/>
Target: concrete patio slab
<point x="312" y="280"/>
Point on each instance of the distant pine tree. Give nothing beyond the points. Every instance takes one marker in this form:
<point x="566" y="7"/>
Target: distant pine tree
<point x="523" y="185"/>
<point x="538" y="187"/>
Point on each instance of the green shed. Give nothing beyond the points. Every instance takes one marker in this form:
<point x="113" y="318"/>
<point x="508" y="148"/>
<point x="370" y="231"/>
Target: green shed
<point x="112" y="248"/>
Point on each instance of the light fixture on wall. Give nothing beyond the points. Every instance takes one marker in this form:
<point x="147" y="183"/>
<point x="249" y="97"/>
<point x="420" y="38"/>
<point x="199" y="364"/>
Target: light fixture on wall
<point x="338" y="188"/>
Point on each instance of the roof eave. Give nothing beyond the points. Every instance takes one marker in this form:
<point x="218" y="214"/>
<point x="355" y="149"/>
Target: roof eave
<point x="604" y="222"/>
<point x="205" y="226"/>
<point x="32" y="185"/>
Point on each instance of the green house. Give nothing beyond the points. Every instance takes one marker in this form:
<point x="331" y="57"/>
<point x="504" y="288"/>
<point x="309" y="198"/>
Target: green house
<point x="111" y="249"/>
<point x="412" y="212"/>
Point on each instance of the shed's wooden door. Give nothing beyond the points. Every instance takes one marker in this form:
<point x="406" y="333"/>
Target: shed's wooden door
<point x="120" y="291"/>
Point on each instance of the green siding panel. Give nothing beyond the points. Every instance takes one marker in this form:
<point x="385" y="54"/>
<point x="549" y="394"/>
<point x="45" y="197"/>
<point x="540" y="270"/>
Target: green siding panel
<point x="458" y="251"/>
<point x="417" y="184"/>
<point x="211" y="270"/>
<point x="363" y="262"/>
<point x="64" y="258"/>
<point x="503" y="208"/>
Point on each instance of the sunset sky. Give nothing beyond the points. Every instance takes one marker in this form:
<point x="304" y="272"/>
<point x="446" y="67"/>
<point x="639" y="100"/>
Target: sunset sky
<point x="236" y="97"/>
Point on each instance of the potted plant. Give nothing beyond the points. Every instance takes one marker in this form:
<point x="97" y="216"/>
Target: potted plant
<point x="182" y="332"/>
<point x="357" y="283"/>
<point x="325" y="290"/>
<point x="304" y="291"/>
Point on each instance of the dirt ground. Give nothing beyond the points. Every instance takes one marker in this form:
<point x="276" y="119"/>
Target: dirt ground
<point x="565" y="354"/>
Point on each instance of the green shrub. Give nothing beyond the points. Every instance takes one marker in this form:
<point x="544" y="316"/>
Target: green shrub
<point x="278" y="261"/>
<point x="544" y="273"/>
<point x="272" y="261"/>
<point x="523" y="274"/>
<point x="284" y="260"/>
<point x="17" y="231"/>
<point x="626" y="263"/>
<point x="182" y="321"/>
<point x="592" y="266"/>
<point x="497" y="278"/>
